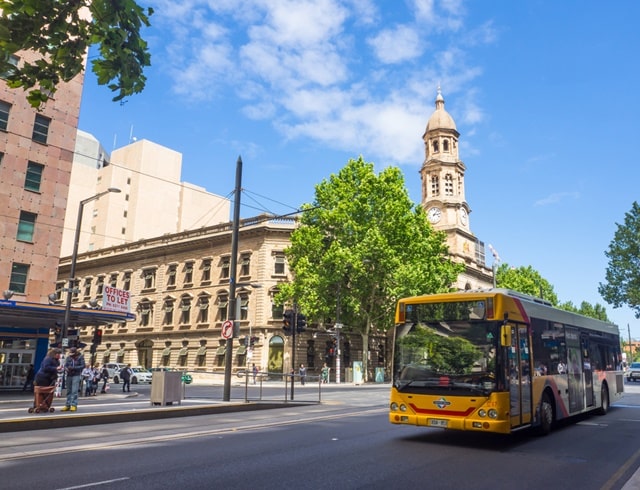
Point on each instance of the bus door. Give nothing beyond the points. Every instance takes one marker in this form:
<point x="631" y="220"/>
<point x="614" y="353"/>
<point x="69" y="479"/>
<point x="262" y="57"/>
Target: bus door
<point x="574" y="371"/>
<point x="587" y="370"/>
<point x="519" y="361"/>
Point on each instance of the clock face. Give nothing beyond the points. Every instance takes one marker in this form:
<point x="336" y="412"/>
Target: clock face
<point x="434" y="215"/>
<point x="463" y="216"/>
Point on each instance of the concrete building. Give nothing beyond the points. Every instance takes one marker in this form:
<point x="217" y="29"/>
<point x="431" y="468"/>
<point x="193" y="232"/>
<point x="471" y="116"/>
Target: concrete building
<point x="153" y="201"/>
<point x="443" y="198"/>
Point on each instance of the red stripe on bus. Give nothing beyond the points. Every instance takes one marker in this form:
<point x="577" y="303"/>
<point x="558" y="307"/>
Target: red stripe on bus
<point x="453" y="413"/>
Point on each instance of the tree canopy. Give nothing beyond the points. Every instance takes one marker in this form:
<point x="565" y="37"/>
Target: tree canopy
<point x="622" y="286"/>
<point x="529" y="281"/>
<point x="363" y="244"/>
<point x="61" y="32"/>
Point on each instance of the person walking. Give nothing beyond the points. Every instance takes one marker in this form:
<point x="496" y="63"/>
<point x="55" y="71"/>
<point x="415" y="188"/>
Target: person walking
<point x="255" y="372"/>
<point x="28" y="382"/>
<point x="87" y="380"/>
<point x="125" y="375"/>
<point x="73" y="366"/>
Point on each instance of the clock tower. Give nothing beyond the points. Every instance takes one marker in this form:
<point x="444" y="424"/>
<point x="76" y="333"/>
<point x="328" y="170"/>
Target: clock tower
<point x="443" y="198"/>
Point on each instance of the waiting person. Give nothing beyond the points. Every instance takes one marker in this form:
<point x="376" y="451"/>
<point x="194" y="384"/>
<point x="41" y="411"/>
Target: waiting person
<point x="303" y="374"/>
<point x="73" y="366"/>
<point x="125" y="375"/>
<point x="324" y="373"/>
<point x="87" y="381"/>
<point x="28" y="382"/>
<point x="255" y="372"/>
<point x="47" y="375"/>
<point x="104" y="376"/>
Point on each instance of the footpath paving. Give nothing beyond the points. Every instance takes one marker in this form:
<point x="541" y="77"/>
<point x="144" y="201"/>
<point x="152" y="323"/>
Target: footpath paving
<point x="115" y="406"/>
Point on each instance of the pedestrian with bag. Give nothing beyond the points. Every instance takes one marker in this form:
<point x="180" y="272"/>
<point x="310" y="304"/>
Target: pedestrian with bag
<point x="125" y="375"/>
<point x="104" y="376"/>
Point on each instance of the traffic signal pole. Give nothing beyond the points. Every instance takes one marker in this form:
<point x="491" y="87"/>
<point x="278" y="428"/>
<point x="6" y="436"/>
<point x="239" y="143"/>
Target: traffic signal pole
<point x="294" y="327"/>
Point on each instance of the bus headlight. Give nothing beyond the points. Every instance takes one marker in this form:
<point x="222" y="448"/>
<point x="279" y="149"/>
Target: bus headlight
<point x="394" y="407"/>
<point x="482" y="412"/>
<point x="493" y="413"/>
<point x="403" y="408"/>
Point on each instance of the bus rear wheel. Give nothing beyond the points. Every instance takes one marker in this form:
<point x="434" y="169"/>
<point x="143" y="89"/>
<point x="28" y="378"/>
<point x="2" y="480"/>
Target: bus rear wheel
<point x="546" y="415"/>
<point x="604" y="396"/>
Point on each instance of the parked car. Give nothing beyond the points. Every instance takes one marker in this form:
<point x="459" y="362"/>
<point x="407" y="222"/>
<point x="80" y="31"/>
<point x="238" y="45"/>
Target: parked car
<point x="633" y="372"/>
<point x="113" y="368"/>
<point x="139" y="374"/>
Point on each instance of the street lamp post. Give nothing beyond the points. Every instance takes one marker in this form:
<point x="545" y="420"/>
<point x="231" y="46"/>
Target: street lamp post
<point x="74" y="258"/>
<point x="496" y="262"/>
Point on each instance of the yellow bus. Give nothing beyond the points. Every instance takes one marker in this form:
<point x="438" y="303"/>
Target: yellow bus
<point x="499" y="361"/>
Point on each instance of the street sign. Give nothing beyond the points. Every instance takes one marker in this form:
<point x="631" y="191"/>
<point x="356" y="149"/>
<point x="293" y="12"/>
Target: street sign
<point x="227" y="329"/>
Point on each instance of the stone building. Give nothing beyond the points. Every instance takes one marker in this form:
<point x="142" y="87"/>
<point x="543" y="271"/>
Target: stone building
<point x="443" y="198"/>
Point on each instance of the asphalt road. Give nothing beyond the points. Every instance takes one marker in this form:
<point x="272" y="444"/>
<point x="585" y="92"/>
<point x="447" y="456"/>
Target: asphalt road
<point x="344" y="443"/>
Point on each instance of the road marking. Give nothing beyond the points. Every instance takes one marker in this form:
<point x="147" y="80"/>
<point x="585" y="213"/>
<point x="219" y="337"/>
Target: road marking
<point x="95" y="484"/>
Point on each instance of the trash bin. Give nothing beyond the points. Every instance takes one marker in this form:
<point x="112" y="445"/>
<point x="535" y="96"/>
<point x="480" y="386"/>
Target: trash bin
<point x="348" y="375"/>
<point x="166" y="387"/>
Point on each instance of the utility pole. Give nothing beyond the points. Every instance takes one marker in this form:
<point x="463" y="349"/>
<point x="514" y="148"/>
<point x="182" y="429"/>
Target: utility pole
<point x="231" y="310"/>
<point x="293" y="347"/>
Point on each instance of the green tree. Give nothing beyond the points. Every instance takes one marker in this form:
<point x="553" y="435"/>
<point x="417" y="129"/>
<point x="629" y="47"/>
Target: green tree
<point x="587" y="309"/>
<point x="525" y="280"/>
<point x="61" y="33"/>
<point x="622" y="286"/>
<point x="362" y="245"/>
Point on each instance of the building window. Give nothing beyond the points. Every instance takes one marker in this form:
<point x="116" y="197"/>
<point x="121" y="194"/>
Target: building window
<point x="435" y="185"/>
<point x="126" y="280"/>
<point x="245" y="265"/>
<point x="188" y="273"/>
<point x="26" y="226"/>
<point x="5" y="108"/>
<point x="18" y="281"/>
<point x="277" y="311"/>
<point x="223" y="305"/>
<point x="113" y="280"/>
<point x="171" y="276"/>
<point x="167" y="308"/>
<point x="1" y="157"/>
<point x="149" y="276"/>
<point x="99" y="286"/>
<point x="224" y="267"/>
<point x="41" y="129"/>
<point x="480" y="255"/>
<point x="144" y="309"/>
<point x="448" y="185"/>
<point x="185" y="310"/>
<point x="244" y="306"/>
<point x="206" y="270"/>
<point x="87" y="287"/>
<point x="445" y="145"/>
<point x="436" y="148"/>
<point x="203" y="309"/>
<point x="279" y="269"/>
<point x="76" y="289"/>
<point x="13" y="61"/>
<point x="33" y="178"/>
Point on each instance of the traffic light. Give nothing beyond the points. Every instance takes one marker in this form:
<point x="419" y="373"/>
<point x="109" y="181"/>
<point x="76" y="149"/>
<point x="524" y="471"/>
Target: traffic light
<point x="301" y="323"/>
<point x="288" y="322"/>
<point x="57" y="336"/>
<point x="253" y="340"/>
<point x="97" y="336"/>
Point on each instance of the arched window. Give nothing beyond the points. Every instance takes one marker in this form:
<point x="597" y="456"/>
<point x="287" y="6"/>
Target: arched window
<point x="445" y="145"/>
<point x="435" y="145"/>
<point x="448" y="185"/>
<point x="435" y="185"/>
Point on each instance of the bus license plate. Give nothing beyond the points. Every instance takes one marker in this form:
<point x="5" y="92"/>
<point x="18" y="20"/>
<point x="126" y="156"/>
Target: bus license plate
<point x="438" y="423"/>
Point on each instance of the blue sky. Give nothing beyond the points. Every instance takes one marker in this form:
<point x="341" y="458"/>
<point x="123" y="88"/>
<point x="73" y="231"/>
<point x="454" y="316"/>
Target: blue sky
<point x="544" y="93"/>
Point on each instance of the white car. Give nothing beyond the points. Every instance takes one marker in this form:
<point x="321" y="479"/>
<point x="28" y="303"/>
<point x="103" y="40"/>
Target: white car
<point x="633" y="373"/>
<point x="138" y="375"/>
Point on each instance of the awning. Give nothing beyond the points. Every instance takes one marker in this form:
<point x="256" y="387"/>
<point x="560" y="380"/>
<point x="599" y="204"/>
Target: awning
<point x="202" y="351"/>
<point x="242" y="350"/>
<point x="184" y="351"/>
<point x="166" y="352"/>
<point x="221" y="351"/>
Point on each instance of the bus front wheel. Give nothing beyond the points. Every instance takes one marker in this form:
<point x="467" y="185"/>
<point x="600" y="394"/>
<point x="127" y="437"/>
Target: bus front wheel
<point x="604" y="406"/>
<point x="546" y="415"/>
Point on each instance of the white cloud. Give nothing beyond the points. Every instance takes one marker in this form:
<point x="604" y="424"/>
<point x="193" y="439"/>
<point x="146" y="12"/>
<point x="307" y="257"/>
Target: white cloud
<point x="395" y="45"/>
<point x="556" y="198"/>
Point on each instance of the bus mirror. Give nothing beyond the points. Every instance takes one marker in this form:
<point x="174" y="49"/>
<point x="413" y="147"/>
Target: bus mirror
<point x="505" y="336"/>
